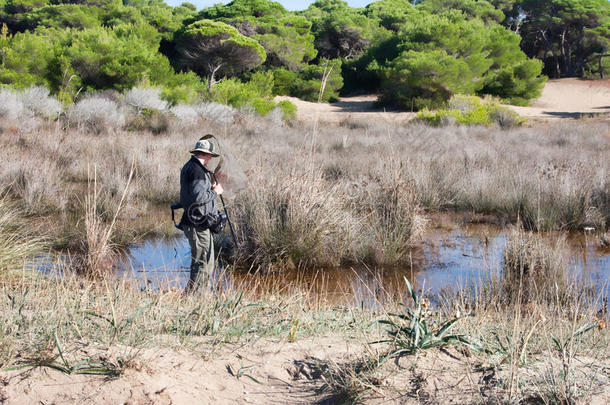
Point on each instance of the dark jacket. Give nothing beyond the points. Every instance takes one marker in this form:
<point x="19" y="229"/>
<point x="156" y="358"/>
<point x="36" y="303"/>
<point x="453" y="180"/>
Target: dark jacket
<point x="196" y="194"/>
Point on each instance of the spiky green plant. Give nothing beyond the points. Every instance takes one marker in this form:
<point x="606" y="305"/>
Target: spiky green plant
<point x="411" y="331"/>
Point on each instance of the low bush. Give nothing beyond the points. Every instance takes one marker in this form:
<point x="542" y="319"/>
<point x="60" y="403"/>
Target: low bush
<point x="288" y="108"/>
<point x="40" y="103"/>
<point x="29" y="102"/>
<point x="11" y="106"/>
<point x="187" y="115"/>
<point x="96" y="114"/>
<point x="219" y="113"/>
<point x="470" y="110"/>
<point x="145" y="99"/>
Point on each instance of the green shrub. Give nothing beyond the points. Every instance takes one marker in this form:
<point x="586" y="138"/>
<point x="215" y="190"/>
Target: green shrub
<point x="257" y="93"/>
<point x="183" y="88"/>
<point x="262" y="106"/>
<point x="237" y="93"/>
<point x="505" y="117"/>
<point x="307" y="83"/>
<point x="283" y="82"/>
<point x="289" y="109"/>
<point x="470" y="110"/>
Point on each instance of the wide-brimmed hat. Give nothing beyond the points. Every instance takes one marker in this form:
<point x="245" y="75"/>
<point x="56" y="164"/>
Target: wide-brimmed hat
<point x="205" y="146"/>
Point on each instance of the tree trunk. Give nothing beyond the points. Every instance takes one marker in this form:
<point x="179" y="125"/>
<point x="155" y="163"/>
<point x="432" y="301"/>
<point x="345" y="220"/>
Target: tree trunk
<point x="601" y="65"/>
<point x="580" y="53"/>
<point x="565" y="53"/>
<point x="212" y="70"/>
<point x="550" y="48"/>
<point x="210" y="81"/>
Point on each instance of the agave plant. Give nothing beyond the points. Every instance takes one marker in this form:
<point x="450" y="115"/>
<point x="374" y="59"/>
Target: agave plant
<point x="411" y="332"/>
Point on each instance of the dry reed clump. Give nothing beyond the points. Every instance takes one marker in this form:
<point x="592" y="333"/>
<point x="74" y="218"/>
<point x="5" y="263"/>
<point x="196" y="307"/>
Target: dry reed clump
<point x="16" y="245"/>
<point x="96" y="251"/>
<point x="292" y="219"/>
<point x="534" y="269"/>
<point x="302" y="217"/>
<point x="392" y="217"/>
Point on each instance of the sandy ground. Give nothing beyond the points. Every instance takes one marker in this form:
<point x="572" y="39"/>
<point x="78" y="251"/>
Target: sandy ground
<point x="347" y="109"/>
<point x="165" y="376"/>
<point x="570" y="98"/>
<point x="563" y="98"/>
<point x="278" y="372"/>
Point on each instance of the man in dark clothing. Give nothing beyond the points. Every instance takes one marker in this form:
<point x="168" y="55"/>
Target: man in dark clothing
<point x="198" y="198"/>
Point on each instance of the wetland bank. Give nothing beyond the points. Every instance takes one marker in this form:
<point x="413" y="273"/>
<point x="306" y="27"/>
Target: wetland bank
<point x="318" y="198"/>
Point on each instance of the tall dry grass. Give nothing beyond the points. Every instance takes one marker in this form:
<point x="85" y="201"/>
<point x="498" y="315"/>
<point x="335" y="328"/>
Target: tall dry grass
<point x="534" y="269"/>
<point x="17" y="242"/>
<point x="293" y="219"/>
<point x="96" y="254"/>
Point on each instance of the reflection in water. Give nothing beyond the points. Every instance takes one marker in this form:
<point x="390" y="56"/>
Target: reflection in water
<point x="451" y="256"/>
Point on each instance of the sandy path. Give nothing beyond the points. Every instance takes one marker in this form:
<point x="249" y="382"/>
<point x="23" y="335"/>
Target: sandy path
<point x="570" y="98"/>
<point x="165" y="376"/>
<point x="563" y="98"/>
<point x="348" y="108"/>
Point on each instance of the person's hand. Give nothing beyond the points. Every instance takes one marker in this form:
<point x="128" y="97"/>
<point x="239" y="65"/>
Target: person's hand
<point x="218" y="188"/>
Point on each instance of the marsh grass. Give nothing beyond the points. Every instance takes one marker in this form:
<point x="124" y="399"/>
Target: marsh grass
<point x="17" y="243"/>
<point x="96" y="254"/>
<point x="325" y="195"/>
<point x="534" y="268"/>
<point x="315" y="198"/>
<point x="293" y="219"/>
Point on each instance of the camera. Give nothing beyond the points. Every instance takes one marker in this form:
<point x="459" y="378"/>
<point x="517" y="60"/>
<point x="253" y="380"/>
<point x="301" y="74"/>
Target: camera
<point x="216" y="223"/>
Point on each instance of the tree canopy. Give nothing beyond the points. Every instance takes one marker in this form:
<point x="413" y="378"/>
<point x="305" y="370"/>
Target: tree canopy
<point x="209" y="48"/>
<point x="565" y="34"/>
<point x="415" y="54"/>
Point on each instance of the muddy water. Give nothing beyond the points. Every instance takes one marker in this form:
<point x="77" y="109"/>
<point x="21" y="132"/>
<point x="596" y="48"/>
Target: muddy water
<point x="451" y="255"/>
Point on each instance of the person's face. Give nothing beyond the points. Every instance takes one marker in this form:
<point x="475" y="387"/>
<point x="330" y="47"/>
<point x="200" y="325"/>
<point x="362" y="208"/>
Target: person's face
<point x="204" y="157"/>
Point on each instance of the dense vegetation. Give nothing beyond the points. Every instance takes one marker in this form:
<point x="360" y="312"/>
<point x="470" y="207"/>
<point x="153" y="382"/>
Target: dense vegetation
<point x="414" y="54"/>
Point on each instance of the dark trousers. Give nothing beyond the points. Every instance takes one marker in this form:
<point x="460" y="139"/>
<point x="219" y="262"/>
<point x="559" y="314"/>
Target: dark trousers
<point x="202" y="258"/>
